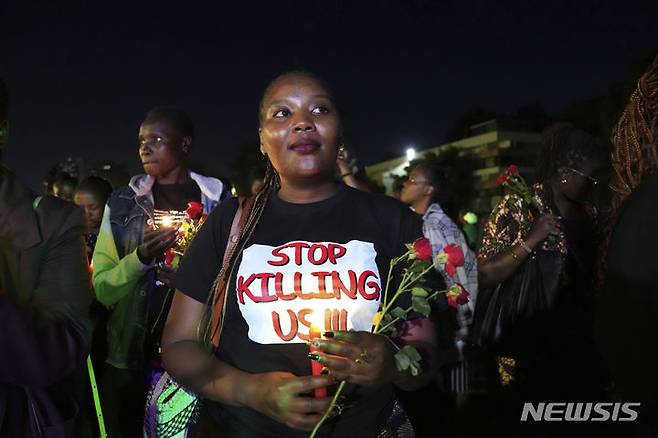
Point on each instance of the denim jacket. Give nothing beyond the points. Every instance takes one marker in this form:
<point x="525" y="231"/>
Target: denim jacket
<point x="120" y="279"/>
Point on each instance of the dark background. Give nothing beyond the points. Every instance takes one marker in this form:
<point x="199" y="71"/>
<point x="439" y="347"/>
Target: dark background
<point x="82" y="74"/>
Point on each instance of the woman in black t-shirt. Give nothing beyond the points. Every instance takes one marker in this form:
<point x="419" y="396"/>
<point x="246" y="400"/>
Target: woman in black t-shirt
<point x="312" y="252"/>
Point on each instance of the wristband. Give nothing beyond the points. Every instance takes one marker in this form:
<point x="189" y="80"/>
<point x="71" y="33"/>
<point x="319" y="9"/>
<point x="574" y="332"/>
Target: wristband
<point x="346" y="174"/>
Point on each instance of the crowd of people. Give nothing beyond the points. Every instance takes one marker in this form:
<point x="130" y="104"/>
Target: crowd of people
<point x="103" y="335"/>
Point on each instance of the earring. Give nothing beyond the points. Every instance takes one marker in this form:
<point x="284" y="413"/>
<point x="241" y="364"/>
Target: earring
<point x="563" y="181"/>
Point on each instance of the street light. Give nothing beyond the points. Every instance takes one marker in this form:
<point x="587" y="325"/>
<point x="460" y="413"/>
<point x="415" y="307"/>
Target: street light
<point x="411" y="154"/>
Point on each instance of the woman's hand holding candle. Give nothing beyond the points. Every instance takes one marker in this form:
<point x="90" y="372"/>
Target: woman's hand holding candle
<point x="316" y="367"/>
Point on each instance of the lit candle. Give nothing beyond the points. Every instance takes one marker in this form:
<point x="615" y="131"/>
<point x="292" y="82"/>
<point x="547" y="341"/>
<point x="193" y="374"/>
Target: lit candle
<point x="168" y="218"/>
<point x="166" y="221"/>
<point x="316" y="367"/>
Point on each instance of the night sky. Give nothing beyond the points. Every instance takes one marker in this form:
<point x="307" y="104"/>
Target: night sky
<point x="82" y="74"/>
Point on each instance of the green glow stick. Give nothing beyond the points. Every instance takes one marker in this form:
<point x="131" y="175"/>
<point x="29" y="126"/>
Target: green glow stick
<point x="97" y="402"/>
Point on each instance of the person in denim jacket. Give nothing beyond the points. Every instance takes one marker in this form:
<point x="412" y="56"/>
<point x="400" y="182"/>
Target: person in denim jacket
<point x="125" y="276"/>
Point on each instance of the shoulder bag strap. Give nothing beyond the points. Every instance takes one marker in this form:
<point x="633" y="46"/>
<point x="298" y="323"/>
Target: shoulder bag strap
<point x="234" y="234"/>
<point x="219" y="304"/>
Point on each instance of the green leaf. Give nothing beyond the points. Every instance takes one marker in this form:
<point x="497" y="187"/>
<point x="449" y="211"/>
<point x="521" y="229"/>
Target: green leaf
<point x="402" y="361"/>
<point x="420" y="305"/>
<point x="399" y="312"/>
<point x="419" y="266"/>
<point x="419" y="292"/>
<point x="408" y="358"/>
<point x="414" y="359"/>
<point x="411" y="353"/>
<point x="386" y="319"/>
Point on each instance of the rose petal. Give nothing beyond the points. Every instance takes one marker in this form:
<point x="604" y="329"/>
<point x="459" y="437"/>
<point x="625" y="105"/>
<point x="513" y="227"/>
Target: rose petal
<point x="422" y="249"/>
<point x="455" y="254"/>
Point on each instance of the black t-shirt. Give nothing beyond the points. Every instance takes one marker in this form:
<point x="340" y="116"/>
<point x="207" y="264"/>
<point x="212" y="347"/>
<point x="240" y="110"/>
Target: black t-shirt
<point x="323" y="263"/>
<point x="165" y="197"/>
<point x="175" y="196"/>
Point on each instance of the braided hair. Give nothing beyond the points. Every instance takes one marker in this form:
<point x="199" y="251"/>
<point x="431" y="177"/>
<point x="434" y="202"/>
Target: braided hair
<point x="634" y="150"/>
<point x="211" y="324"/>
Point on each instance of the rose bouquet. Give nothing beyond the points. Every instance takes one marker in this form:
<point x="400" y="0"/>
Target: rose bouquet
<point x="512" y="180"/>
<point x="189" y="223"/>
<point x="419" y="262"/>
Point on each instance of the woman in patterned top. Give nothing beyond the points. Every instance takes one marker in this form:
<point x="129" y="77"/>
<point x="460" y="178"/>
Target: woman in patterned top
<point x="557" y="350"/>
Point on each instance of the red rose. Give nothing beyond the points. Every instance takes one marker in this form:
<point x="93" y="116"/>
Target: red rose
<point x="457" y="295"/>
<point x="169" y="256"/>
<point x="512" y="168"/>
<point x="502" y="179"/>
<point x="455" y="258"/>
<point x="194" y="210"/>
<point x="422" y="249"/>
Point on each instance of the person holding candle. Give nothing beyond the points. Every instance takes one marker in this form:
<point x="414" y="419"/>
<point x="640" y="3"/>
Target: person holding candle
<point x="125" y="275"/>
<point x="312" y="256"/>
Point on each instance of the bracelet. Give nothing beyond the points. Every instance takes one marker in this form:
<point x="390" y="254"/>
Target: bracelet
<point x="525" y="246"/>
<point x="346" y="174"/>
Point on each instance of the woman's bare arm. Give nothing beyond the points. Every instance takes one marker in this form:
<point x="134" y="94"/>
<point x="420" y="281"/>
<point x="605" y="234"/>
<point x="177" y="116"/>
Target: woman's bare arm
<point x="191" y="364"/>
<point x="498" y="268"/>
<point x="279" y="395"/>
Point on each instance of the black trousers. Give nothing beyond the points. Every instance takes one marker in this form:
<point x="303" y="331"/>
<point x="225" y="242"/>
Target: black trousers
<point x="123" y="396"/>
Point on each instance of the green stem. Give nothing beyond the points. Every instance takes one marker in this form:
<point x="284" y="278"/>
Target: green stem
<point x="388" y="279"/>
<point x="384" y="310"/>
<point x="405" y="282"/>
<point x="401" y="289"/>
<point x="522" y="186"/>
<point x="329" y="410"/>
<point x="387" y="304"/>
<point x="380" y="330"/>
